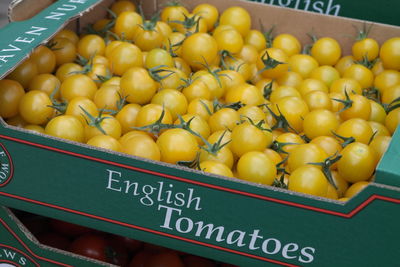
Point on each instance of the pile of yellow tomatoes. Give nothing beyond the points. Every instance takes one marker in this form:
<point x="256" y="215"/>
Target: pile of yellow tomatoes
<point x="202" y="88"/>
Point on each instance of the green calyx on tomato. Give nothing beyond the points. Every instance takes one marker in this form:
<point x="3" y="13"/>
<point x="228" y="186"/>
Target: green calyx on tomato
<point x="305" y="138"/>
<point x="89" y="67"/>
<point x="307" y="48"/>
<point x="155" y="73"/>
<point x="326" y="167"/>
<point x="366" y="62"/>
<point x="363" y="32"/>
<point x="116" y="37"/>
<point x="189" y="23"/>
<point x="372" y="93"/>
<point x="85" y="62"/>
<point x="215" y="147"/>
<point x="224" y="55"/>
<point x="149" y="25"/>
<point x="95" y="121"/>
<point x="172" y="48"/>
<point x="193" y="164"/>
<point x="105" y="30"/>
<point x="267" y="90"/>
<point x="347" y="103"/>
<point x="278" y="146"/>
<point x="280" y="167"/>
<point x="280" y="183"/>
<point x="102" y="78"/>
<point x="372" y="137"/>
<point x="281" y="121"/>
<point x="156" y="127"/>
<point x="259" y="125"/>
<point x="267" y="34"/>
<point x="53" y="45"/>
<point x="214" y="73"/>
<point x="121" y="102"/>
<point x="269" y="62"/>
<point x="346" y="140"/>
<point x="392" y="105"/>
<point x="218" y="105"/>
<point x="59" y="106"/>
<point x="208" y="147"/>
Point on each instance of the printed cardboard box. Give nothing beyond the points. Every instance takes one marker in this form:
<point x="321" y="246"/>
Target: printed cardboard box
<point x="225" y="219"/>
<point x="372" y="10"/>
<point x="18" y="247"/>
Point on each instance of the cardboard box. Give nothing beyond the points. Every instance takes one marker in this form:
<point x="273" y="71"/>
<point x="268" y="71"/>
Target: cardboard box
<point x="22" y="233"/>
<point x="372" y="10"/>
<point x="18" y="247"/>
<point x="226" y="219"/>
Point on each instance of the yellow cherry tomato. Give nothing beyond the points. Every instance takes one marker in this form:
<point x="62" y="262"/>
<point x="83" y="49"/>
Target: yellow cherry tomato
<point x="177" y="145"/>
<point x="308" y="179"/>
<point x="237" y="17"/>
<point x="256" y="167"/>
<point x="106" y="142"/>
<point x="320" y="122"/>
<point x="270" y="70"/>
<point x="355" y="188"/>
<point x="302" y="64"/>
<point x="288" y="43"/>
<point x="142" y="146"/>
<point x="326" y="51"/>
<point x="199" y="49"/>
<point x="215" y="167"/>
<point x="389" y="53"/>
<point x="11" y="93"/>
<point x="357" y="163"/>
<point x="66" y="127"/>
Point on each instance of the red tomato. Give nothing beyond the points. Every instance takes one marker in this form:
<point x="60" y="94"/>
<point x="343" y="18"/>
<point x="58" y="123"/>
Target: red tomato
<point x="97" y="247"/>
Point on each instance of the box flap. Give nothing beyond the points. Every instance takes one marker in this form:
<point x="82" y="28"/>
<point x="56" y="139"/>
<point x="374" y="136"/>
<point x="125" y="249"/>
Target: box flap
<point x="25" y="9"/>
<point x="24" y="36"/>
<point x="388" y="169"/>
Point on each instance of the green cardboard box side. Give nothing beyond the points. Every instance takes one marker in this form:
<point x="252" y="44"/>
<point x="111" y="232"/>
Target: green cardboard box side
<point x="225" y="219"/>
<point x="372" y="10"/>
<point x="19" y="248"/>
<point x="231" y="221"/>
